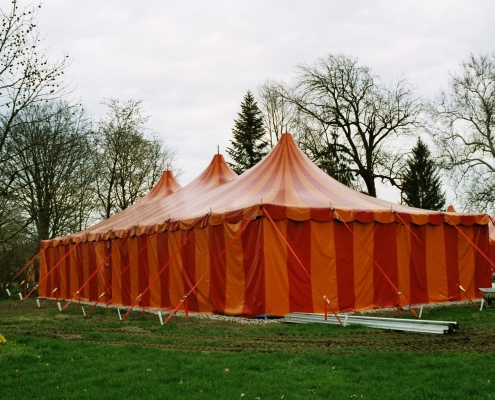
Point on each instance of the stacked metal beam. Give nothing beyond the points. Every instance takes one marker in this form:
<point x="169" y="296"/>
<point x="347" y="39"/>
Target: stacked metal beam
<point x="396" y="324"/>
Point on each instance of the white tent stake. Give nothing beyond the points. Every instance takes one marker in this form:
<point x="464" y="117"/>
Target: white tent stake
<point x="160" y="317"/>
<point x="20" y="295"/>
<point x="420" y="312"/>
<point x="84" y="312"/>
<point x="120" y="316"/>
<point x="8" y="292"/>
<point x="345" y="320"/>
<point x="482" y="303"/>
<point x="38" y="302"/>
<point x="59" y="306"/>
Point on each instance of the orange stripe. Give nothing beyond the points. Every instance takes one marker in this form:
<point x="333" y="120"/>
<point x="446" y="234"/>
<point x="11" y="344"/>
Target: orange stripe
<point x="175" y="268"/>
<point x="363" y="265"/>
<point x="466" y="262"/>
<point x="43" y="271"/>
<point x="323" y="267"/>
<point x="155" y="288"/>
<point x="116" y="264"/>
<point x="99" y="258"/>
<point x="133" y="269"/>
<point x="235" y="281"/>
<point x="404" y="261"/>
<point x="276" y="279"/>
<point x="86" y="261"/>
<point x="436" y="264"/>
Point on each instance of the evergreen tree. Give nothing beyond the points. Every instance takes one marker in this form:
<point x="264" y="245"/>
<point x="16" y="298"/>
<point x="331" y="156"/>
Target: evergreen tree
<point x="248" y="146"/>
<point x="421" y="186"/>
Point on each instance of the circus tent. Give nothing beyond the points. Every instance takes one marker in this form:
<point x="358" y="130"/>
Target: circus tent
<point x="281" y="237"/>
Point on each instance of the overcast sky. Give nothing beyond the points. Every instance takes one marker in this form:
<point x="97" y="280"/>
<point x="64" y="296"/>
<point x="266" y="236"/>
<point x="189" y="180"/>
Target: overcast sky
<point x="192" y="62"/>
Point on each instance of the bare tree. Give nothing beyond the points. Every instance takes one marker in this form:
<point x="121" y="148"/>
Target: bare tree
<point x="279" y="114"/>
<point x="49" y="150"/>
<point x="348" y="101"/>
<point x="129" y="162"/>
<point x="465" y="131"/>
<point x="27" y="77"/>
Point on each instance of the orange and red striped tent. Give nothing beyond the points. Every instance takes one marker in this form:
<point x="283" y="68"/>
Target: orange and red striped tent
<point x="276" y="239"/>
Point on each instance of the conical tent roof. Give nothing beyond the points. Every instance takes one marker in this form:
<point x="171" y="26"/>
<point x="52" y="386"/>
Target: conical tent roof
<point x="156" y="206"/>
<point x="299" y="190"/>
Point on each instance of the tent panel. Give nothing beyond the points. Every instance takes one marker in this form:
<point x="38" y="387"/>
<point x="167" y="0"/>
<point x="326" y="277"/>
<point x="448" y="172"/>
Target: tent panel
<point x="323" y="266"/>
<point x="254" y="269"/>
<point x="404" y="262"/>
<point x="275" y="262"/>
<point x="234" y="280"/>
<point x="451" y="261"/>
<point x="188" y="255"/>
<point x="154" y="279"/>
<point x="203" y="270"/>
<point x="143" y="270"/>
<point x="300" y="290"/>
<point x="385" y="274"/>
<point x="436" y="265"/>
<point x="218" y="274"/>
<point x="124" y="272"/>
<point x="418" y="271"/>
<point x="344" y="255"/>
<point x="164" y="277"/>
<point x="482" y="268"/>
<point x="363" y="265"/>
<point x="175" y="268"/>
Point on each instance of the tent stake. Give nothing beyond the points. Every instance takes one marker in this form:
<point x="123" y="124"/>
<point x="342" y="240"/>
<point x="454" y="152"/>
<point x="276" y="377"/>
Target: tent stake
<point x="59" y="306"/>
<point x="38" y="302"/>
<point x="84" y="312"/>
<point x="160" y="317"/>
<point x="8" y="292"/>
<point x="120" y="316"/>
<point x="420" y="312"/>
<point x="20" y="295"/>
<point x="482" y="303"/>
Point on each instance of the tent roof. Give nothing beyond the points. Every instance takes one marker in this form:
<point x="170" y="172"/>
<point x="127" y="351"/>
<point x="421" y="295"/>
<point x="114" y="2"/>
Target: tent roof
<point x="288" y="185"/>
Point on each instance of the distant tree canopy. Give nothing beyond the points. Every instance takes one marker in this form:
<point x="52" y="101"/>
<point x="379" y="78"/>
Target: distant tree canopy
<point x="248" y="145"/>
<point x="421" y="185"/>
<point x="128" y="162"/>
<point x="344" y="115"/>
<point x="465" y="131"/>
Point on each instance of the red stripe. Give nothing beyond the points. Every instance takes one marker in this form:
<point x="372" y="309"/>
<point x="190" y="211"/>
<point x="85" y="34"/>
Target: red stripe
<point x="451" y="259"/>
<point x="163" y="257"/>
<point x="125" y="279"/>
<point x="254" y="269"/>
<point x="300" y="289"/>
<point x="93" y="283"/>
<point x="483" y="269"/>
<point x="188" y="253"/>
<point x="417" y="277"/>
<point x="344" y="252"/>
<point x="49" y="257"/>
<point x="65" y="290"/>
<point x="80" y="266"/>
<point x="143" y="271"/>
<point x="385" y="254"/>
<point x="218" y="272"/>
<point x="107" y="270"/>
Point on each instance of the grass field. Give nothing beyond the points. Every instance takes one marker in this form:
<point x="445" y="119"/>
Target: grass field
<point x="53" y="355"/>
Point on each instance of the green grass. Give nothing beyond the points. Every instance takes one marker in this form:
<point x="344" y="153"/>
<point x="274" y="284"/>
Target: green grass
<point x="49" y="355"/>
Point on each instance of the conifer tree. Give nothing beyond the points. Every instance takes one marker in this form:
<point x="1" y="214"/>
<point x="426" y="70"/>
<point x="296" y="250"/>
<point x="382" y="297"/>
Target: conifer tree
<point x="421" y="186"/>
<point x="248" y="146"/>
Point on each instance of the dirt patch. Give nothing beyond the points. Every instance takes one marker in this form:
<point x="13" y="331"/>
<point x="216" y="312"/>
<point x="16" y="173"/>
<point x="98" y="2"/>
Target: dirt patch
<point x="24" y="319"/>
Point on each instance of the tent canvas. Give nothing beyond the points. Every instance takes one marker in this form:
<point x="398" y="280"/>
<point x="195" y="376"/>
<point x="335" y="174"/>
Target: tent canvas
<point x="276" y="239"/>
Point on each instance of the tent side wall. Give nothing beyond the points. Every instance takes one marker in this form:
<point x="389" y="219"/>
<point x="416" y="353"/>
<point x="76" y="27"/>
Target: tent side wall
<point x="356" y="265"/>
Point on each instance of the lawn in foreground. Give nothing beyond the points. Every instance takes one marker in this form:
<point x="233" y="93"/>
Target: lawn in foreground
<point x="36" y="367"/>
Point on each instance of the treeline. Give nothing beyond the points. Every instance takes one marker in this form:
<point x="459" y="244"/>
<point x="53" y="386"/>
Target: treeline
<point x="362" y="131"/>
<point x="60" y="169"/>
